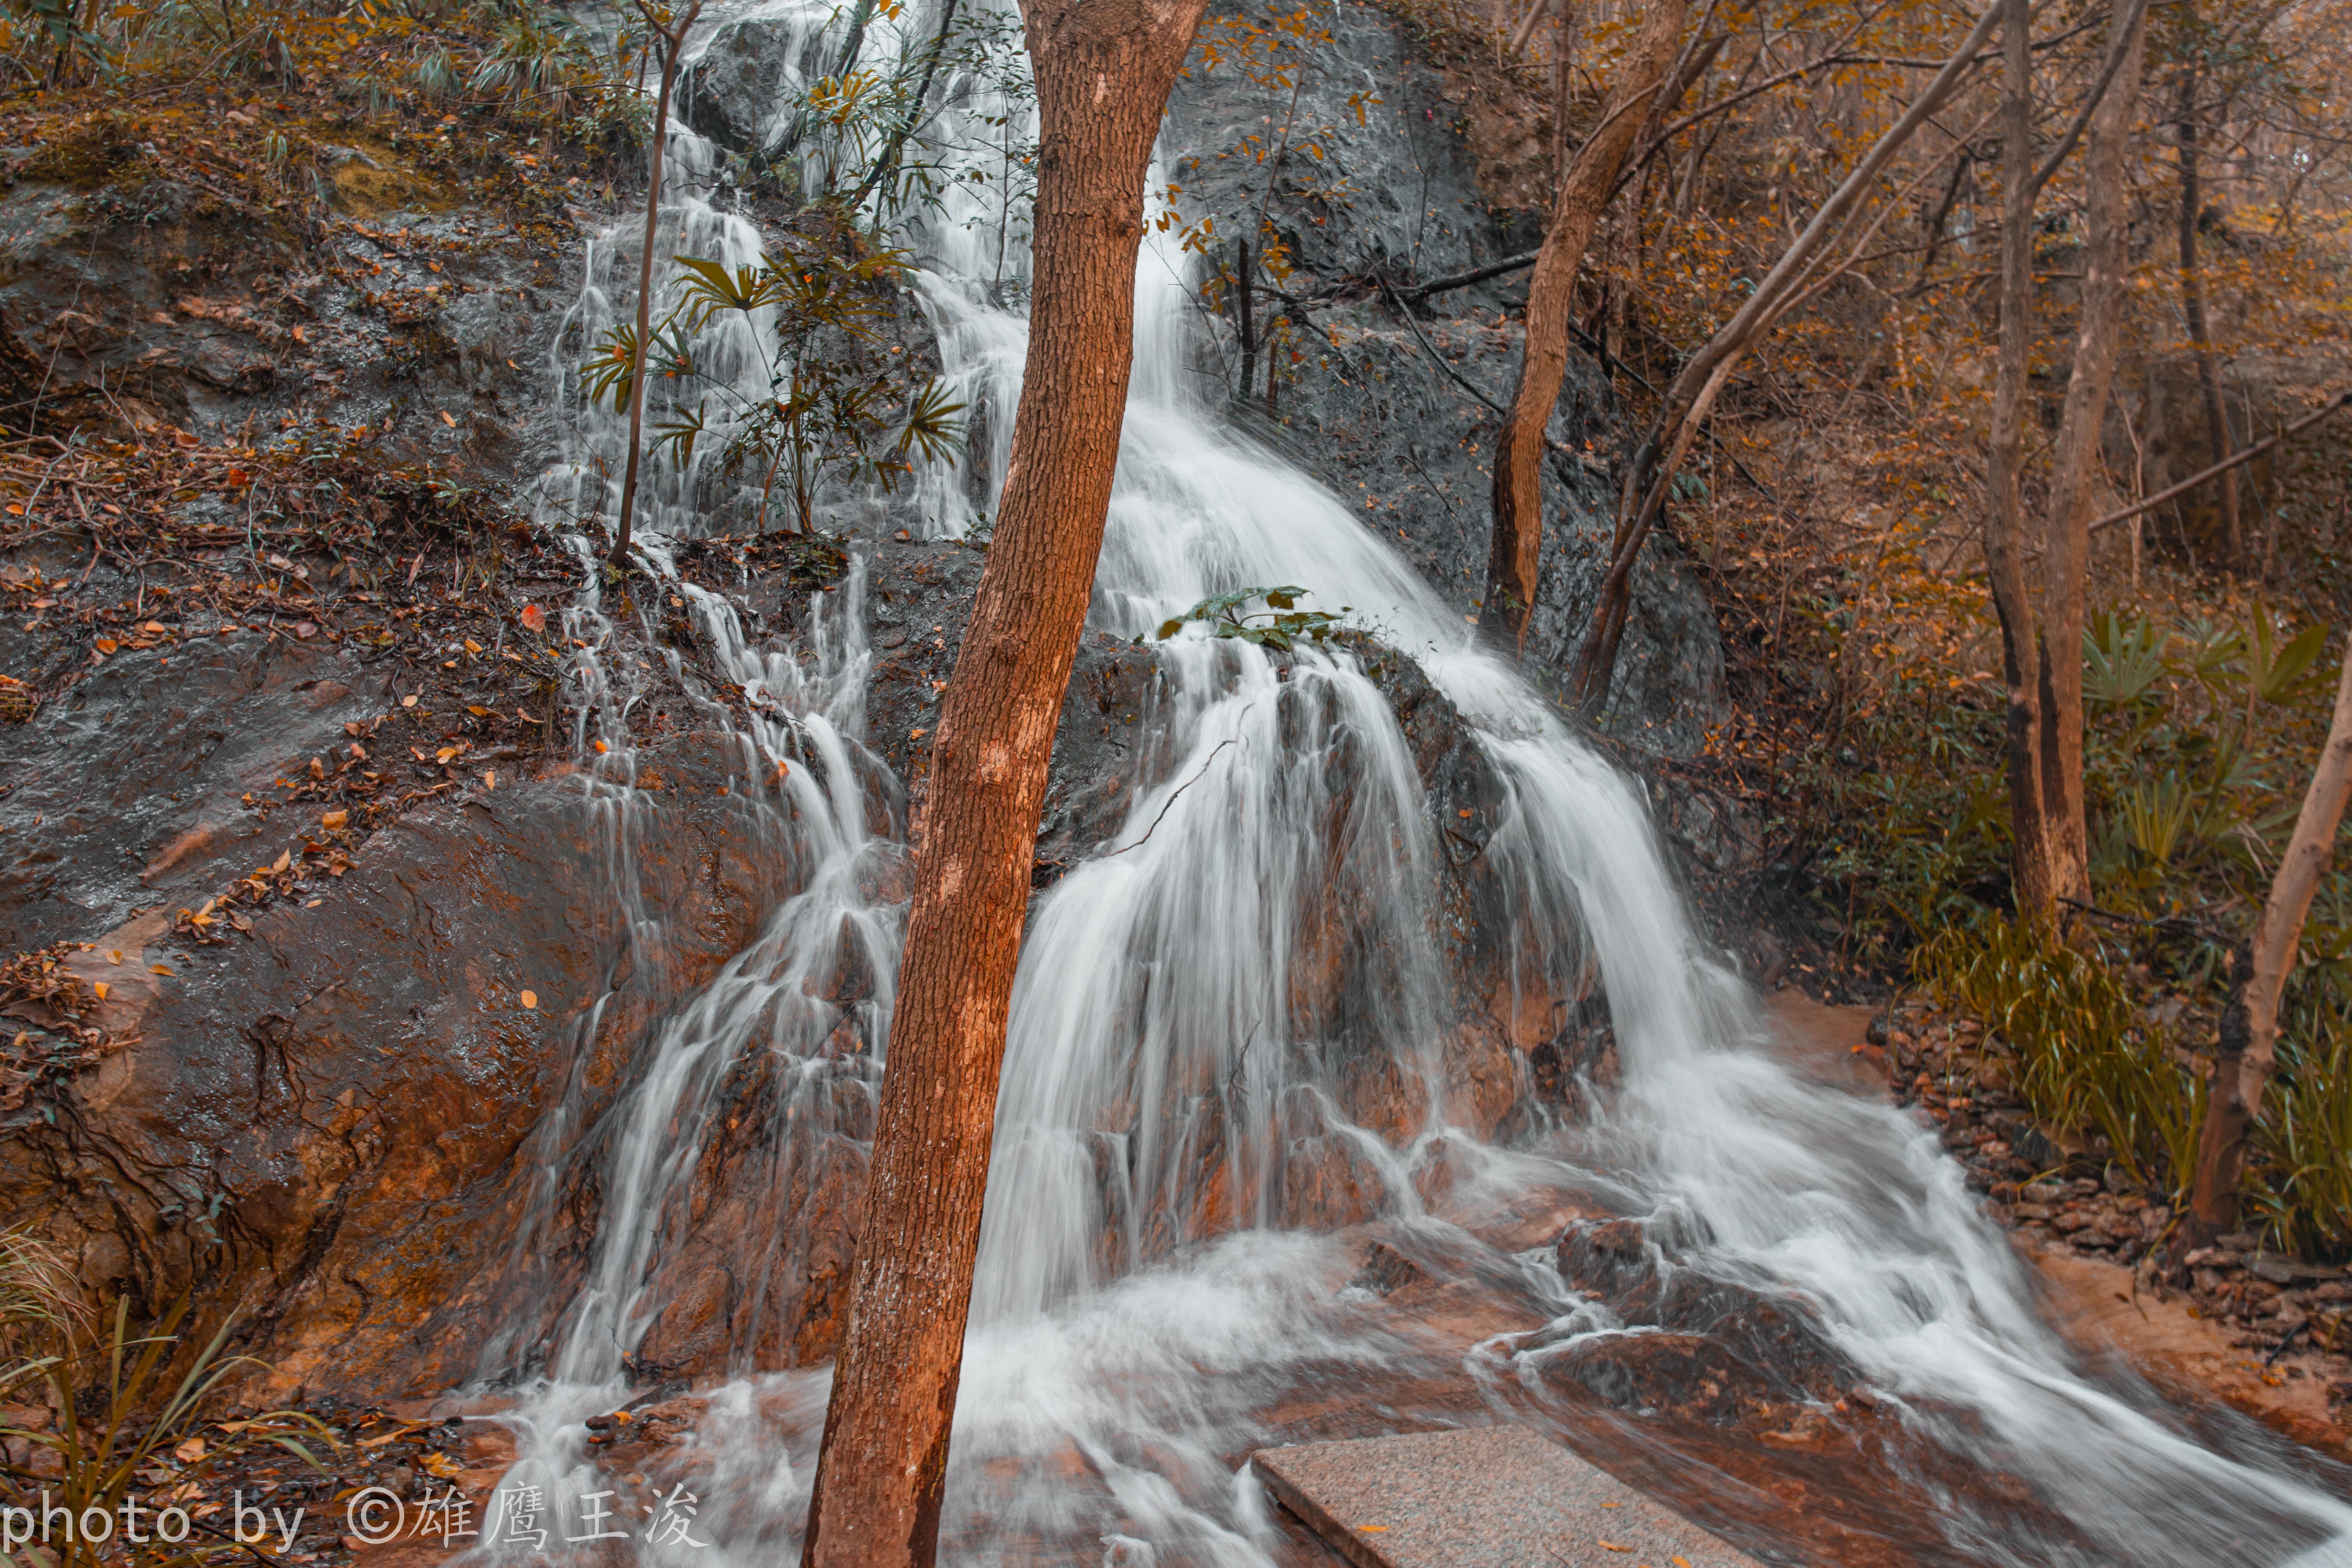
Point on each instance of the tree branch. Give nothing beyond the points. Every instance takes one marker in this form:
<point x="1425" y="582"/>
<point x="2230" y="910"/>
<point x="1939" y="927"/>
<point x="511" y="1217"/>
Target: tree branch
<point x="2248" y="456"/>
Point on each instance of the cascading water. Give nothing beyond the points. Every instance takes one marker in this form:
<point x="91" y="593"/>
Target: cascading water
<point x="1144" y="1312"/>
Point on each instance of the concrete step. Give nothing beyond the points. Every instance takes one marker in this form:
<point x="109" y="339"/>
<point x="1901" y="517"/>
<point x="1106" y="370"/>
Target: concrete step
<point x="1490" y="1496"/>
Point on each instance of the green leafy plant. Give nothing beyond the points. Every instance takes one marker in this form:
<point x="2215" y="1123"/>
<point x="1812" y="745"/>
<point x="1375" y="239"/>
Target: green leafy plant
<point x="2301" y="1184"/>
<point x="2122" y="661"/>
<point x="2279" y="673"/>
<point x="96" y="1414"/>
<point x="1280" y="625"/>
<point x="2158" y="818"/>
<point x="2089" y="1060"/>
<point x="825" y="418"/>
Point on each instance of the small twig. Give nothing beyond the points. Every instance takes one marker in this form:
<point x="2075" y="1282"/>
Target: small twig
<point x="1475" y="275"/>
<point x="1171" y="801"/>
<point x="1405" y="311"/>
<point x="2292" y="1335"/>
<point x="2162" y="922"/>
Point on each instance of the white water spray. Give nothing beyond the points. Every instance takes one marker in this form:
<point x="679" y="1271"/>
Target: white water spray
<point x="1141" y="1305"/>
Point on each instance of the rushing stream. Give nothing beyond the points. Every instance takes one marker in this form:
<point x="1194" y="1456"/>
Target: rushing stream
<point x="1143" y="1316"/>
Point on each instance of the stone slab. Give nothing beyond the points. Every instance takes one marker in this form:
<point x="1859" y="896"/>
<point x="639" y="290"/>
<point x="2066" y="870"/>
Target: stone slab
<point x="1490" y="1496"/>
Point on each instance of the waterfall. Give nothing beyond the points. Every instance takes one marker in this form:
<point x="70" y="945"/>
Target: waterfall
<point x="1152" y="1299"/>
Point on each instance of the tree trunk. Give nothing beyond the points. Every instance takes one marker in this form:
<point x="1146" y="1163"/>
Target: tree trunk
<point x="1104" y="68"/>
<point x="2192" y="305"/>
<point x="2076" y="468"/>
<point x="1511" y="568"/>
<point x="673" y="41"/>
<point x="2004" y="520"/>
<point x="1249" y="327"/>
<point x="2249" y="1043"/>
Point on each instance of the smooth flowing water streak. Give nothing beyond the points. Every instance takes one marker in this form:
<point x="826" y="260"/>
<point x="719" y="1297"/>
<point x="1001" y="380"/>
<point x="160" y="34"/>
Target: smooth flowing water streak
<point x="1152" y="1296"/>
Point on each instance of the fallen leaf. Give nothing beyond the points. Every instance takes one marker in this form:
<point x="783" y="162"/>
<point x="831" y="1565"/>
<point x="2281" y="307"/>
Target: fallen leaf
<point x="1610" y="1545"/>
<point x="158" y="969"/>
<point x="916" y="734"/>
<point x="440" y="1465"/>
<point x="189" y="1452"/>
<point x="107" y="645"/>
<point x="314" y="904"/>
<point x="305" y="629"/>
<point x="155" y="626"/>
<point x="534" y="618"/>
<point x="473" y="646"/>
<point x="114" y="957"/>
<point x="285" y="858"/>
<point x="98" y="988"/>
<point x="409" y="700"/>
<point x="1373" y="1529"/>
<point x="477" y="710"/>
<point x="530" y="999"/>
<point x="490" y="779"/>
<point x="335" y="819"/>
<point x="445" y="419"/>
<point x="601" y="748"/>
<point x="443" y="754"/>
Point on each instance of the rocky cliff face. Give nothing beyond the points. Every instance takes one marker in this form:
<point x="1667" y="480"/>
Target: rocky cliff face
<point x="328" y="915"/>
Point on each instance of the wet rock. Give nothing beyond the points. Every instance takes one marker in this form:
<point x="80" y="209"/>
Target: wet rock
<point x="161" y="308"/>
<point x="1724" y="1353"/>
<point x="1369" y="410"/>
<point x="326" y="1120"/>
<point x="734" y="93"/>
<point x="125" y="791"/>
<point x="1328" y="1178"/>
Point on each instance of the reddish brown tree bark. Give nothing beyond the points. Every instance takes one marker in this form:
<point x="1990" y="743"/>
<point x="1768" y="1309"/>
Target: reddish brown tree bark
<point x="2004" y="526"/>
<point x="1511" y="567"/>
<point x="1103" y="69"/>
<point x="2074" y="469"/>
<point x="2258" y="972"/>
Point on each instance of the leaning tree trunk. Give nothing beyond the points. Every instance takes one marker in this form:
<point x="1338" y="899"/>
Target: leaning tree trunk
<point x="1517" y="551"/>
<point x="2004" y="522"/>
<point x="1104" y="68"/>
<point x="2249" y="1042"/>
<point x="2074" y="470"/>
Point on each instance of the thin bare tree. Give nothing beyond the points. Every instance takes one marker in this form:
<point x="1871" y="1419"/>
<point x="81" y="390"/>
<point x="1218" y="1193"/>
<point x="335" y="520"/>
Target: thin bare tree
<point x="670" y="28"/>
<point x="1513" y="562"/>
<point x="2074" y="470"/>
